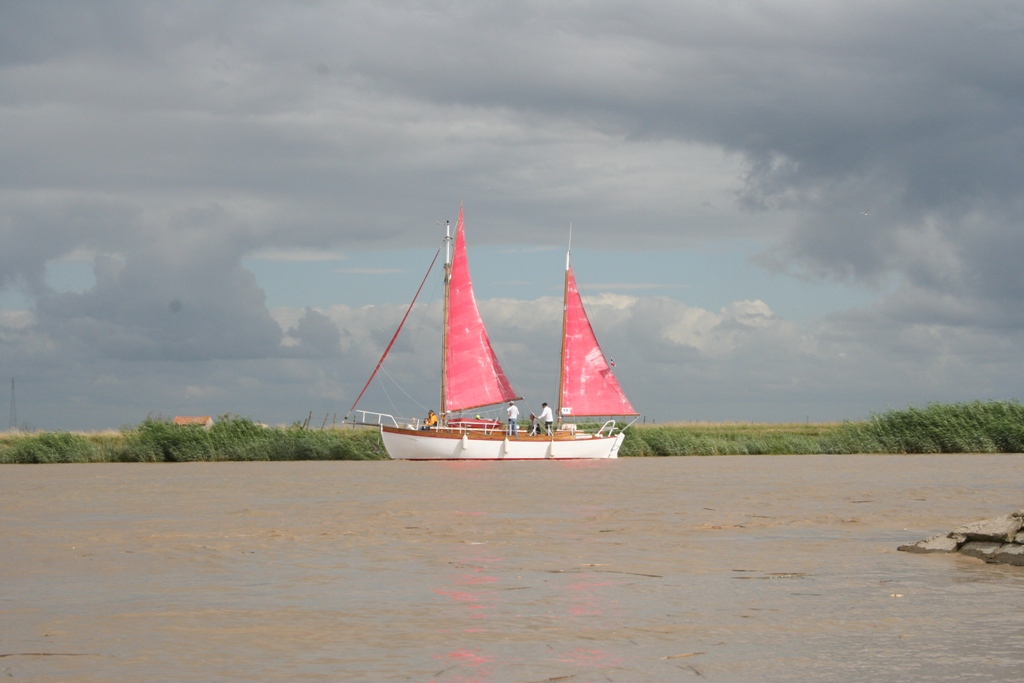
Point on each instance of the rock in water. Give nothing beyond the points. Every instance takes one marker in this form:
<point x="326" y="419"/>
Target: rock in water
<point x="997" y="530"/>
<point x="943" y="543"/>
<point x="999" y="540"/>
<point x="983" y="550"/>
<point x="1011" y="553"/>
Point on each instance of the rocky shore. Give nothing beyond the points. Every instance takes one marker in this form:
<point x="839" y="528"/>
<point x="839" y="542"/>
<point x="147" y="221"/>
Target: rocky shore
<point x="999" y="540"/>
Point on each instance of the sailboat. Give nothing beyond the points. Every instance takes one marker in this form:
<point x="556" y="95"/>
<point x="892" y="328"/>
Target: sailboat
<point x="472" y="378"/>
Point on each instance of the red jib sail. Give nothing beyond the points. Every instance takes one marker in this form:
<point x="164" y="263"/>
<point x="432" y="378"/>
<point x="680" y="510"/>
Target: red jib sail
<point x="588" y="385"/>
<point x="473" y="375"/>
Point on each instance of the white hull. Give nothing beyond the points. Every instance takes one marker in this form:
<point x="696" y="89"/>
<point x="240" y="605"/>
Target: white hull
<point x="408" y="444"/>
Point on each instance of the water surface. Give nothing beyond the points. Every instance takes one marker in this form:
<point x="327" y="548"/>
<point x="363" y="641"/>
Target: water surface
<point x="727" y="569"/>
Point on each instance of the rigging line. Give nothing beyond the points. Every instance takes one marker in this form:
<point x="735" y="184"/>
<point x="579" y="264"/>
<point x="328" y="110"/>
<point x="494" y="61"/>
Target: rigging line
<point x="387" y="396"/>
<point x="384" y="388"/>
<point x="393" y="338"/>
<point x="420" y="320"/>
<point x="400" y="388"/>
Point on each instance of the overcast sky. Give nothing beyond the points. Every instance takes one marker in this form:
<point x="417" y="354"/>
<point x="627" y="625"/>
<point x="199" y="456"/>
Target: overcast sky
<point x="781" y="211"/>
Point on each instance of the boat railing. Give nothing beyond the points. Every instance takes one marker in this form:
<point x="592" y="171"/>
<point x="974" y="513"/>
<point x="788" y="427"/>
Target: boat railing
<point x="367" y="417"/>
<point x="476" y="425"/>
<point x="610" y="426"/>
<point x="478" y="430"/>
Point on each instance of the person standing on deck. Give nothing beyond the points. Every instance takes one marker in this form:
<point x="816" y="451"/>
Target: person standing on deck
<point x="513" y="417"/>
<point x="547" y="417"/>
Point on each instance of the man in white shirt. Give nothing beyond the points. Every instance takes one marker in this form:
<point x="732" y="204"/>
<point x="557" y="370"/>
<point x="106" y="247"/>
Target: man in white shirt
<point x="513" y="416"/>
<point x="547" y="417"/>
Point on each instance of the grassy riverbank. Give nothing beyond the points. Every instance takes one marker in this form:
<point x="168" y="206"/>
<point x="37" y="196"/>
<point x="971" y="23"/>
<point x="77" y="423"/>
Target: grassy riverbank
<point x="979" y="427"/>
<point x="231" y="438"/>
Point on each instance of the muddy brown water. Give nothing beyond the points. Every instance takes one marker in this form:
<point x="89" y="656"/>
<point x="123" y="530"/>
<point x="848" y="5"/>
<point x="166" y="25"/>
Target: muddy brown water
<point x="727" y="569"/>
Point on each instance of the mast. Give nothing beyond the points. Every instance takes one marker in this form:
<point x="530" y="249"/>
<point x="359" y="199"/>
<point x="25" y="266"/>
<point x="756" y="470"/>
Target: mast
<point x="444" y="320"/>
<point x="565" y="319"/>
<point x="588" y="386"/>
<point x="472" y="374"/>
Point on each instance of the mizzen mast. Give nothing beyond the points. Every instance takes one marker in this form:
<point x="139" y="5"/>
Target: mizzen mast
<point x="565" y="319"/>
<point x="444" y="323"/>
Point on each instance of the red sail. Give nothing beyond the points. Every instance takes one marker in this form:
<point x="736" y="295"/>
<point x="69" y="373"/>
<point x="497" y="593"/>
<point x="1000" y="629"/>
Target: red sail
<point x="588" y="385"/>
<point x="474" y="376"/>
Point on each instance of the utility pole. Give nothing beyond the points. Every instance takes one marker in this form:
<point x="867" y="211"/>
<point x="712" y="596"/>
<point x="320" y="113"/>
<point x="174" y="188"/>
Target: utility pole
<point x="14" y="411"/>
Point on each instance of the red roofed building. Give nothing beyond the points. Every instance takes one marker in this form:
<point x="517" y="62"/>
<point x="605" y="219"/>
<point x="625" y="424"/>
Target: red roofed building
<point x="202" y="420"/>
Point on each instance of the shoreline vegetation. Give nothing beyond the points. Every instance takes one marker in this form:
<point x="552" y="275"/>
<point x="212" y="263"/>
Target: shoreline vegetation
<point x="978" y="427"/>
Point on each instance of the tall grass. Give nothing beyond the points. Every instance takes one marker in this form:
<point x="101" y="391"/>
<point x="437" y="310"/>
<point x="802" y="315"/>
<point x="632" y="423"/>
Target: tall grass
<point x="48" y="447"/>
<point x="979" y="427"/>
<point x="230" y="438"/>
<point x="681" y="439"/>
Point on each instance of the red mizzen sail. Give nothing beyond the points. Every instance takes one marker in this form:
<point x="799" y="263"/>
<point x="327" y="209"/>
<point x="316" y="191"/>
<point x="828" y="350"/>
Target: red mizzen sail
<point x="588" y="385"/>
<point x="474" y="377"/>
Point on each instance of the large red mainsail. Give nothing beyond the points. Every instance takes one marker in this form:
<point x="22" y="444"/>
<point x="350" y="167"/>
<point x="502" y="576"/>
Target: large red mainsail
<point x="473" y="375"/>
<point x="588" y="385"/>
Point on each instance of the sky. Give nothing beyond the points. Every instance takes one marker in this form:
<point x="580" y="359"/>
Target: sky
<point x="786" y="211"/>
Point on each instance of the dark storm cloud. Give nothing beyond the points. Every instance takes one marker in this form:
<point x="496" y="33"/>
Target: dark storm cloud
<point x="38" y="229"/>
<point x="877" y="143"/>
<point x="317" y="333"/>
<point x="175" y="301"/>
<point x="882" y="124"/>
<point x="904" y="107"/>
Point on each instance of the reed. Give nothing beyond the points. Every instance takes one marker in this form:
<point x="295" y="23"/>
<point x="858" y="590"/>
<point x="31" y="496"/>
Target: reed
<point x="733" y="439"/>
<point x="231" y="438"/>
<point x="978" y="427"/>
<point x="49" y="447"/>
